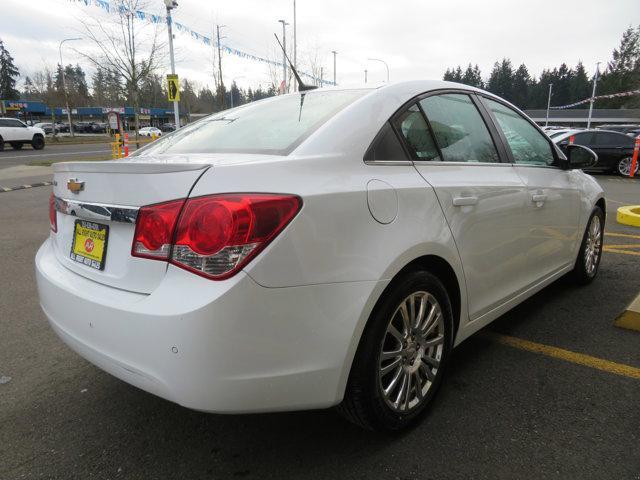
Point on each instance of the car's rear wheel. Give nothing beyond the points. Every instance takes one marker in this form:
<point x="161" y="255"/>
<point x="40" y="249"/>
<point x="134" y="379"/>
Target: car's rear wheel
<point x="16" y="145"/>
<point x="588" y="261"/>
<point x="402" y="355"/>
<point x="1" y="144"/>
<point x="38" y="142"/>
<point x="624" y="167"/>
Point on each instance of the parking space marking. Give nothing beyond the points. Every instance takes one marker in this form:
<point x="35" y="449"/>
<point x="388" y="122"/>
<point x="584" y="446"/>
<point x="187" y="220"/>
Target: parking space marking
<point x="23" y="187"/>
<point x="630" y="318"/>
<point x="566" y="355"/>
<point x="624" y="235"/>
<point x="623" y="252"/>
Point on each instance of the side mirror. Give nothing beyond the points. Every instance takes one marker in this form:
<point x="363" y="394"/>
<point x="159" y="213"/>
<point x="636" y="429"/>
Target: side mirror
<point x="579" y="156"/>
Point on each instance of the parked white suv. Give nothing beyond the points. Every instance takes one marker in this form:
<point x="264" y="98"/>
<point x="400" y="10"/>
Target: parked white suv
<point x="16" y="133"/>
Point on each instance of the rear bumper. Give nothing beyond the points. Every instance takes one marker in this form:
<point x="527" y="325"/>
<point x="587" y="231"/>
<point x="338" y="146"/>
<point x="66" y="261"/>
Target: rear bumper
<point x="226" y="347"/>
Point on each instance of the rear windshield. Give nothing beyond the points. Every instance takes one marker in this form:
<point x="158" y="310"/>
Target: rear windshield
<point x="272" y="126"/>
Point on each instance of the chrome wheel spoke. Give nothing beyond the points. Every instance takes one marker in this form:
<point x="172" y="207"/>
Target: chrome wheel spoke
<point x="412" y="343"/>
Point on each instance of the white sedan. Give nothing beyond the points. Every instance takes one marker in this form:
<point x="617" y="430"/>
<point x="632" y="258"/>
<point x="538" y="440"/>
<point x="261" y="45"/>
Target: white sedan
<point x="322" y="248"/>
<point x="150" y="132"/>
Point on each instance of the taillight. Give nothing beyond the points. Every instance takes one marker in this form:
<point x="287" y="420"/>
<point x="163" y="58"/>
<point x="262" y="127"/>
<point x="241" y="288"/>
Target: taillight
<point x="53" y="219"/>
<point x="215" y="235"/>
<point x="154" y="230"/>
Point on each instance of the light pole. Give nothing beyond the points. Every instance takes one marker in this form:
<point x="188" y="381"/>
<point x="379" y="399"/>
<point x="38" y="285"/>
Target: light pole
<point x="334" y="67"/>
<point x="284" y="56"/>
<point x="365" y="75"/>
<point x="233" y="82"/>
<point x="546" y="120"/>
<point x="171" y="4"/>
<point x="381" y="61"/>
<point x="64" y="86"/>
<point x="593" y="94"/>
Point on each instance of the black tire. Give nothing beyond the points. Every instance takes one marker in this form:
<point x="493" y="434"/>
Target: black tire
<point x="38" y="142"/>
<point x="582" y="272"/>
<point x="364" y="403"/>
<point x="1" y="144"/>
<point x="16" y="145"/>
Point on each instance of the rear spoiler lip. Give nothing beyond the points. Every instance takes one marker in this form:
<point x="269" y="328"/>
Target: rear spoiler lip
<point x="127" y="167"/>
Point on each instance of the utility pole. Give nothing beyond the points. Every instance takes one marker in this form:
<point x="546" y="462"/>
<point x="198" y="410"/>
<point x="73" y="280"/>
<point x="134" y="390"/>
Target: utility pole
<point x="284" y="56"/>
<point x="64" y="86"/>
<point x="223" y="96"/>
<point x="321" y="76"/>
<point x="295" y="40"/>
<point x="593" y="94"/>
<point x="383" y="62"/>
<point x="365" y="75"/>
<point x="546" y="120"/>
<point x="334" y="66"/>
<point x="171" y="4"/>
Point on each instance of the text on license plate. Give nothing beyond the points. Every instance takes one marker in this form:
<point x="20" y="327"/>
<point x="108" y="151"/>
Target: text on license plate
<point x="89" y="245"/>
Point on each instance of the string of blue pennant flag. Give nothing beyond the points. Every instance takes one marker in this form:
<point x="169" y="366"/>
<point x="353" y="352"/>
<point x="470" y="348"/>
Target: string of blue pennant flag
<point x="152" y="18"/>
<point x="587" y="100"/>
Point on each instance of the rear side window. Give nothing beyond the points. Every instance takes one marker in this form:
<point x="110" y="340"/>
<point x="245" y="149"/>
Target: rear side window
<point x="459" y="130"/>
<point x="386" y="146"/>
<point x="606" y="139"/>
<point x="413" y="127"/>
<point x="528" y="145"/>
<point x="272" y="126"/>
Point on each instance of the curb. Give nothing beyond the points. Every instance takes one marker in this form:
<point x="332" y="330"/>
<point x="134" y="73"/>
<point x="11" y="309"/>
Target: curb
<point x="23" y="187"/>
<point x="630" y="318"/>
<point x="629" y="215"/>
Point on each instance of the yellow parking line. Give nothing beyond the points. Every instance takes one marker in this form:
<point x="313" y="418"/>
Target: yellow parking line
<point x="628" y="245"/>
<point x="566" y="355"/>
<point x="625" y="235"/>
<point x="624" y="252"/>
<point x="629" y="320"/>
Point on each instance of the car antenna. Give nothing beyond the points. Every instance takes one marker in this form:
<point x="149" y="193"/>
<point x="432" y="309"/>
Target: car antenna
<point x="301" y="86"/>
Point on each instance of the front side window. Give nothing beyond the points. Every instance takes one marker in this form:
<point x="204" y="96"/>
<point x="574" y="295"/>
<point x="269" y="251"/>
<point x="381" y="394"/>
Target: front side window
<point x="607" y="139"/>
<point x="528" y="145"/>
<point x="272" y="126"/>
<point x="585" y="139"/>
<point x="459" y="129"/>
<point x="413" y="127"/>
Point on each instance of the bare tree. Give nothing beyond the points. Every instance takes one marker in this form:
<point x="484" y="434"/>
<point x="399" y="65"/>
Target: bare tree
<point x="128" y="46"/>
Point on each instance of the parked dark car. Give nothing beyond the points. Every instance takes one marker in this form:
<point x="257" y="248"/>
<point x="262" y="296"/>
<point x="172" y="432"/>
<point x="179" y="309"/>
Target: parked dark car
<point x="47" y="127"/>
<point x="168" y="127"/>
<point x="82" y="127"/>
<point x="98" y="127"/>
<point x="614" y="149"/>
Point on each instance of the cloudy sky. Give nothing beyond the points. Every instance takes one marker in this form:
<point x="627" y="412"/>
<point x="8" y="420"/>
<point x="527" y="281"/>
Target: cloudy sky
<point x="418" y="39"/>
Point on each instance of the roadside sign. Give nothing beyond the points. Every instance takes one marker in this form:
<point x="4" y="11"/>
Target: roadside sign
<point x="173" y="88"/>
<point x="114" y="124"/>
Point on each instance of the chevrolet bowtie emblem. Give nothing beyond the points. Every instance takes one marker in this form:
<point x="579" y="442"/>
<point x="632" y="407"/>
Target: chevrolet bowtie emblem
<point x="75" y="186"/>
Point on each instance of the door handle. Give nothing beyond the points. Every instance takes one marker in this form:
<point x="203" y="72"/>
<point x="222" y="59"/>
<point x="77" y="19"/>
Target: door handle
<point x="464" y="201"/>
<point x="538" y="198"/>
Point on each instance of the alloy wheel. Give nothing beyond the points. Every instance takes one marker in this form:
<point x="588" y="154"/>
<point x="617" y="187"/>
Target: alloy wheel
<point x="593" y="246"/>
<point x="411" y="351"/>
<point x="624" y="167"/>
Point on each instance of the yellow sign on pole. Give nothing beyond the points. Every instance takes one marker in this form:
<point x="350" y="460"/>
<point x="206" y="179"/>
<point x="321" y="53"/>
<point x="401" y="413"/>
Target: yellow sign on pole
<point x="173" y="88"/>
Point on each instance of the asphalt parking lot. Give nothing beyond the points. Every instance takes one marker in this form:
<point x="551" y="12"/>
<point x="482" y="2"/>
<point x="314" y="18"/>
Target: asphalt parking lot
<point x="503" y="412"/>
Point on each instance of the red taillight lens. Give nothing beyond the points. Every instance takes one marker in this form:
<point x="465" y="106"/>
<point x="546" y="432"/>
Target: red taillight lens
<point x="53" y="219"/>
<point x="215" y="236"/>
<point x="154" y="230"/>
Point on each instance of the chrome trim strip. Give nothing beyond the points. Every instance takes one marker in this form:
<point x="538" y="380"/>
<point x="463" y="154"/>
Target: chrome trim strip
<point x="97" y="211"/>
<point x="390" y="163"/>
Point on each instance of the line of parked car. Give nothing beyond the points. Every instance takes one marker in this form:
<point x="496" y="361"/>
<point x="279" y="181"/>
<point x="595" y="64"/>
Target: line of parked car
<point x="78" y="127"/>
<point x="612" y="143"/>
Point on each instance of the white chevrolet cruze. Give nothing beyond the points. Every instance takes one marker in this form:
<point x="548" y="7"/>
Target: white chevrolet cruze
<point x="322" y="248"/>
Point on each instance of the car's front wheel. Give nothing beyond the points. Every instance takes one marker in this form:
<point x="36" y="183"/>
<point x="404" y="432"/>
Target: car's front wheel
<point x="38" y="142"/>
<point x="1" y="144"/>
<point x="588" y="261"/>
<point x="402" y="355"/>
<point x="624" y="167"/>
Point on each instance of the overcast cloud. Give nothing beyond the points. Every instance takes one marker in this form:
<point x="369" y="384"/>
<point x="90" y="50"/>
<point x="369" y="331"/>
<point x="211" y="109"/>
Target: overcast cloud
<point x="418" y="39"/>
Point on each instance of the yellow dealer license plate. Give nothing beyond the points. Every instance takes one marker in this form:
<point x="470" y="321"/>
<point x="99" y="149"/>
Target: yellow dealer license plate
<point x="90" y="243"/>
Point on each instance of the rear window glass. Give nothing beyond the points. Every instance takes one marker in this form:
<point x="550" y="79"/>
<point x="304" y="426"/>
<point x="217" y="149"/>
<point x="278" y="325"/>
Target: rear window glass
<point x="272" y="126"/>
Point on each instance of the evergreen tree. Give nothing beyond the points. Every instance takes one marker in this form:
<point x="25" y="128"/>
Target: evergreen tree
<point x="520" y="87"/>
<point x="623" y="72"/>
<point x="501" y="79"/>
<point x="579" y="87"/>
<point x="472" y="76"/>
<point x="29" y="89"/>
<point x="8" y="75"/>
